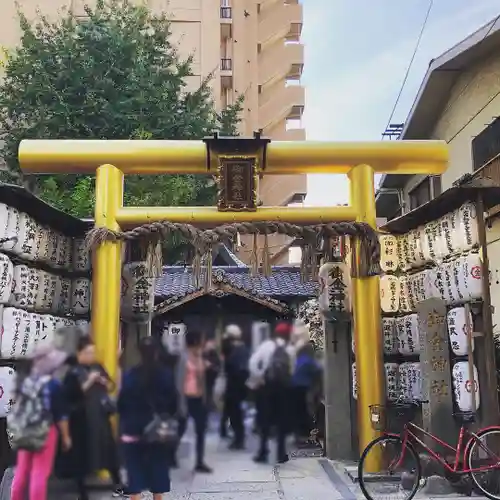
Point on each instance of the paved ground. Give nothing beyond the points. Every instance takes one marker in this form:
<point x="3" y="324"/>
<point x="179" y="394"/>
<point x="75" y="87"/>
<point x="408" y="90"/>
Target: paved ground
<point x="237" y="477"/>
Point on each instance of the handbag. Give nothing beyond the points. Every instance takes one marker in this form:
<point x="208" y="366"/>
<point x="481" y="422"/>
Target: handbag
<point x="163" y="429"/>
<point x="108" y="404"/>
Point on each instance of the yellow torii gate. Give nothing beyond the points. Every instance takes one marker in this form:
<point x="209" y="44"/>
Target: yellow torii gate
<point x="110" y="160"/>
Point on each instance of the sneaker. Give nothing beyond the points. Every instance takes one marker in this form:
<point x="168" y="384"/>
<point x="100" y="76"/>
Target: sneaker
<point x="283" y="459"/>
<point x="237" y="445"/>
<point x="260" y="458"/>
<point x="120" y="493"/>
<point x="203" y="469"/>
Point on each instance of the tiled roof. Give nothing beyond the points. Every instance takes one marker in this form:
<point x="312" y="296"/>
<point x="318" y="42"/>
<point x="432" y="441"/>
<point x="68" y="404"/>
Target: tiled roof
<point x="284" y="282"/>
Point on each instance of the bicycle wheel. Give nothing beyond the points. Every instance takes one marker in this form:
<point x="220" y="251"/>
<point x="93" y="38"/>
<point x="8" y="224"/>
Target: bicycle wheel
<point x="400" y="474"/>
<point x="487" y="482"/>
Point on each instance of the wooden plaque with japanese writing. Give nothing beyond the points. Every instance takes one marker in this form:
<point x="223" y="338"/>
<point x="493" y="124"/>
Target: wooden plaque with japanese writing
<point x="437" y="389"/>
<point x="237" y="184"/>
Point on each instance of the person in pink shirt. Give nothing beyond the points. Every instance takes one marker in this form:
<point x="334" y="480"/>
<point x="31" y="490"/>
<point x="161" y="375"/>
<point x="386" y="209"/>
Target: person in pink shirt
<point x="191" y="378"/>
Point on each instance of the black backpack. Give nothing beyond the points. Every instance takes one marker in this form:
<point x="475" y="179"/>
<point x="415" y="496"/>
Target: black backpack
<point x="279" y="371"/>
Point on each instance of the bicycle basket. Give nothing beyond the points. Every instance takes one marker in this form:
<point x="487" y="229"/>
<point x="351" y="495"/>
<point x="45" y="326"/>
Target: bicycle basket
<point x="393" y="416"/>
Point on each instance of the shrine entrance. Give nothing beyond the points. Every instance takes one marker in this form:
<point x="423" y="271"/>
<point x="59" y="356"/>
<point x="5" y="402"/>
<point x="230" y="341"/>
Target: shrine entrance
<point x="238" y="164"/>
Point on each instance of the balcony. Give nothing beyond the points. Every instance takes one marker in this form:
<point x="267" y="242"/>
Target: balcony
<point x="281" y="61"/>
<point x="226" y="22"/>
<point x="226" y="73"/>
<point x="280" y="190"/>
<point x="280" y="103"/>
<point x="295" y="134"/>
<point x="279" y="21"/>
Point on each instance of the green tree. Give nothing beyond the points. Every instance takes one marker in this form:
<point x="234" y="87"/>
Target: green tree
<point x="114" y="74"/>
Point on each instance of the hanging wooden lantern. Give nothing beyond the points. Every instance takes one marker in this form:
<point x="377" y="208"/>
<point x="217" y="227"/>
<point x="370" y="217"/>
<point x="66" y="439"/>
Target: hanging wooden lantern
<point x="392" y="381"/>
<point x="80" y="296"/>
<point x="174" y="337"/>
<point x="335" y="287"/>
<point x="13" y="228"/>
<point x="25" y="245"/>
<point x="421" y="250"/>
<point x="4" y="222"/>
<point x="34" y="285"/>
<point x="15" y="334"/>
<point x="8" y="385"/>
<point x="404" y="383"/>
<point x="389" y="293"/>
<point x="417" y="286"/>
<point x="464" y="387"/>
<point x="404" y="294"/>
<point x="414" y="381"/>
<point x="452" y="295"/>
<point x="415" y="251"/>
<point x="468" y="230"/>
<point x="64" y="252"/>
<point x="19" y="297"/>
<point x="6" y="278"/>
<point x="63" y="292"/>
<point x="81" y="255"/>
<point x="48" y="329"/>
<point x="35" y="328"/>
<point x="389" y="260"/>
<point x="408" y="335"/>
<point x="457" y="330"/>
<point x="403" y="252"/>
<point x="430" y="286"/>
<point x="390" y="333"/>
<point x="52" y="247"/>
<point x="470" y="277"/>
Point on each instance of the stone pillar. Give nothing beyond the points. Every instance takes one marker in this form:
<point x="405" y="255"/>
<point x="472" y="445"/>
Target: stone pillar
<point x="437" y="390"/>
<point x="337" y="390"/>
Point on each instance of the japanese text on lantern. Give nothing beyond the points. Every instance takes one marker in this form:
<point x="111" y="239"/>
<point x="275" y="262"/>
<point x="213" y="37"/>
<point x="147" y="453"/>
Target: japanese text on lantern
<point x="237" y="184"/>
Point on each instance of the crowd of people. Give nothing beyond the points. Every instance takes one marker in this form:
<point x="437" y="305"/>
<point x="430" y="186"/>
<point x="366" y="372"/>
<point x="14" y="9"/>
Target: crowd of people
<point x="61" y="421"/>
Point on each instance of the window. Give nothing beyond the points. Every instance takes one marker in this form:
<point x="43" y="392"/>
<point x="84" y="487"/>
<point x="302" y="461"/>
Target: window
<point x="436" y="186"/>
<point x="486" y="145"/>
<point x="420" y="194"/>
<point x="426" y="191"/>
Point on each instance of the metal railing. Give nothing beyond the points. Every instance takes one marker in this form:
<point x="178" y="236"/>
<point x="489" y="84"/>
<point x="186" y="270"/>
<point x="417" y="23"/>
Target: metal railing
<point x="226" y="13"/>
<point x="226" y="64"/>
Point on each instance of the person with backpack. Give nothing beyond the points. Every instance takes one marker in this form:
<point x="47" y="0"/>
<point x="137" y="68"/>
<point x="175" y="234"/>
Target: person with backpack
<point x="147" y="406"/>
<point x="37" y="418"/>
<point x="271" y="368"/>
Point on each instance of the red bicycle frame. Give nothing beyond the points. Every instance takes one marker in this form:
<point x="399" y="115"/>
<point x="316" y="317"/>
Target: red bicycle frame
<point x="409" y="436"/>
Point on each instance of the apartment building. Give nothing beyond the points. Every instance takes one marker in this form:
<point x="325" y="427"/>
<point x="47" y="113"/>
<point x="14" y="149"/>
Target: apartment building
<point x="458" y="102"/>
<point x="252" y="47"/>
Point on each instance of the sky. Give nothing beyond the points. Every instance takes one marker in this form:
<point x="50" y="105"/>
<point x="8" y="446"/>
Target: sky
<point x="356" y="56"/>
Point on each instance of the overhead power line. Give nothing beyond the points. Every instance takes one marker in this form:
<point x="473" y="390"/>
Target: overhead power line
<point x="407" y="74"/>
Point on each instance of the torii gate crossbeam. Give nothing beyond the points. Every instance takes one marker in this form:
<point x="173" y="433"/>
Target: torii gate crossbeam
<point x="111" y="159"/>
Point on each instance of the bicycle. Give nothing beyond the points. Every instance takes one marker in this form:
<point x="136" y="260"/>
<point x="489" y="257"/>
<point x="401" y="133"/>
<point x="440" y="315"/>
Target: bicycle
<point x="409" y="463"/>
